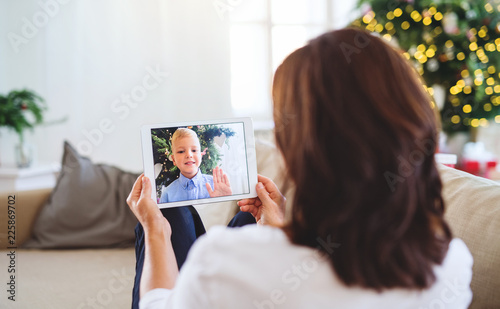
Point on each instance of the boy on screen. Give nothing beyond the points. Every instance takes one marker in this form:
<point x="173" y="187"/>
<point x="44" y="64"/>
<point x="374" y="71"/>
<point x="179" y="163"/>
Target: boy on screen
<point x="192" y="184"/>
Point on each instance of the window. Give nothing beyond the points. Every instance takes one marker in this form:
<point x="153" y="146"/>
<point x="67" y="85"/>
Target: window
<point x="263" y="33"/>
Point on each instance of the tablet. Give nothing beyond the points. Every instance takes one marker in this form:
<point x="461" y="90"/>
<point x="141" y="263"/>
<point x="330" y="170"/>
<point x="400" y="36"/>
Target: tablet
<point x="199" y="162"/>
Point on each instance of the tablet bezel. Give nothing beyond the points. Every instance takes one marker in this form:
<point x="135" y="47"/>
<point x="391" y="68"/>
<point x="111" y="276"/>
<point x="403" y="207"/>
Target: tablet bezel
<point x="148" y="162"/>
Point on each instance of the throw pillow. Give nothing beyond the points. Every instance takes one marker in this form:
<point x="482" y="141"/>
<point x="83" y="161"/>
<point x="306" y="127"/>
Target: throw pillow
<point x="87" y="208"/>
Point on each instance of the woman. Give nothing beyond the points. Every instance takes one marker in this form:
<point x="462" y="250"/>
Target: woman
<point x="366" y="227"/>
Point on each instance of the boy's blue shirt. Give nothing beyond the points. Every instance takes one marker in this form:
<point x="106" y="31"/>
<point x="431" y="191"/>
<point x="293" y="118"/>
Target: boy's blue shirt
<point x="183" y="188"/>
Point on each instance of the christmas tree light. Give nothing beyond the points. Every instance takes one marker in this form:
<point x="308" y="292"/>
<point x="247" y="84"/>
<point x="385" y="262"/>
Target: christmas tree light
<point x="453" y="43"/>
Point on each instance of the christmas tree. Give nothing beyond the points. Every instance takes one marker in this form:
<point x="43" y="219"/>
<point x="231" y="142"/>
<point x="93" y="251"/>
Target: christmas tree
<point x="455" y="44"/>
<point x="162" y="151"/>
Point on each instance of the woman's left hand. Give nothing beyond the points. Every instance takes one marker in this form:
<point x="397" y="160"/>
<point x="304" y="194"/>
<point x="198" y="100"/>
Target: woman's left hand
<point x="145" y="209"/>
<point x="268" y="208"/>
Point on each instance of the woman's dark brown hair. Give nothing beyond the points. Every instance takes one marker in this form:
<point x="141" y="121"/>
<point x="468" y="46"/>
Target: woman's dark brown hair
<point x="358" y="133"/>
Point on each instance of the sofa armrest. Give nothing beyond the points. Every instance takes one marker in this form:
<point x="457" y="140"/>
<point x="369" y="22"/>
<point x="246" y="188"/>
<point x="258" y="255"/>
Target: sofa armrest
<point x="473" y="212"/>
<point x="27" y="206"/>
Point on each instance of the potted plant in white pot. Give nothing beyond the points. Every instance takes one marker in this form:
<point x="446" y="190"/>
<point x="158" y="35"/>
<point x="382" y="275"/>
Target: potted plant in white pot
<point x="21" y="110"/>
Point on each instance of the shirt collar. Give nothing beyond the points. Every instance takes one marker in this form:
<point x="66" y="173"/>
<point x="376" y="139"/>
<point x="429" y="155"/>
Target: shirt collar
<point x="185" y="181"/>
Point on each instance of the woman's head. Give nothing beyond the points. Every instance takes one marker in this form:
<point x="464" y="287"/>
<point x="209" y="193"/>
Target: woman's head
<point x="358" y="135"/>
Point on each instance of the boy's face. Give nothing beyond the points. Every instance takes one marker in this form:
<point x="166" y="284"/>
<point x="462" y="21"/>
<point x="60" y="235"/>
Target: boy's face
<point x="187" y="155"/>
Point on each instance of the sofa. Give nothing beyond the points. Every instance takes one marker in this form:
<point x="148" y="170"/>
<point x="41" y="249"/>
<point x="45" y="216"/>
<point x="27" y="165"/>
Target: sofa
<point x="89" y="276"/>
<point x="102" y="277"/>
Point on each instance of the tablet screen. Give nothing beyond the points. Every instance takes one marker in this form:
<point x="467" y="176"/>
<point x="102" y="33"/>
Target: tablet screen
<point x="200" y="162"/>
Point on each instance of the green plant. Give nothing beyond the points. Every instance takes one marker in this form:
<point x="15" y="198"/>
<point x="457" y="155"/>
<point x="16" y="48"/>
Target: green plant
<point x="15" y="107"/>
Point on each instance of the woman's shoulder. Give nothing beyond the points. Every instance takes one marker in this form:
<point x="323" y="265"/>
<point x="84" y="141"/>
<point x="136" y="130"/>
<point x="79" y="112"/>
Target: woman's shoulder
<point x="458" y="245"/>
<point x="261" y="258"/>
<point x="454" y="275"/>
<point x="458" y="260"/>
<point x="458" y="255"/>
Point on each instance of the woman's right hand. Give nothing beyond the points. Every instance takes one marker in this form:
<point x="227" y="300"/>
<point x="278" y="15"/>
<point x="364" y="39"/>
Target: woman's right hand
<point x="268" y="207"/>
<point x="145" y="209"/>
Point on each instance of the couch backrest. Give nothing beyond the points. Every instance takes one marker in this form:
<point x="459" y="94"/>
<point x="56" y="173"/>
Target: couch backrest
<point x="27" y="206"/>
<point x="473" y="213"/>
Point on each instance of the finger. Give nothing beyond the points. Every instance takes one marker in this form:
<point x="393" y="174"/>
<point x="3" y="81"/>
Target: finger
<point x="270" y="186"/>
<point x="209" y="189"/>
<point x="246" y="201"/>
<point x="214" y="174"/>
<point x="136" y="190"/>
<point x="250" y="201"/>
<point x="138" y="184"/>
<point x="218" y="174"/>
<point x="268" y="183"/>
<point x="263" y="179"/>
<point x="225" y="180"/>
<point x="263" y="194"/>
<point x="251" y="209"/>
<point x="146" y="188"/>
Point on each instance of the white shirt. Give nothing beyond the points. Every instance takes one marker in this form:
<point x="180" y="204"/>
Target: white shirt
<point x="257" y="267"/>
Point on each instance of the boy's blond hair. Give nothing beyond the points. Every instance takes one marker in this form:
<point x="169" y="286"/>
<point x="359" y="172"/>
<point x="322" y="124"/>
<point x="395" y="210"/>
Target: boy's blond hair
<point x="183" y="132"/>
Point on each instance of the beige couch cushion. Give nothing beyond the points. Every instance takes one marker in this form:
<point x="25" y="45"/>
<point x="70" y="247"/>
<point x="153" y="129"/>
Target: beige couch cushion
<point x="473" y="213"/>
<point x="28" y="206"/>
<point x="62" y="279"/>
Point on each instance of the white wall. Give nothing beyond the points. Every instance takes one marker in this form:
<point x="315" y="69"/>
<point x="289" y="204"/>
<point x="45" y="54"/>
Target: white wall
<point x="344" y="12"/>
<point x="90" y="53"/>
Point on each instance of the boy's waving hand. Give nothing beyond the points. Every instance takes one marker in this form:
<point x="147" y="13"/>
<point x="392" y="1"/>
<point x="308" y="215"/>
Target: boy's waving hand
<point x="222" y="187"/>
